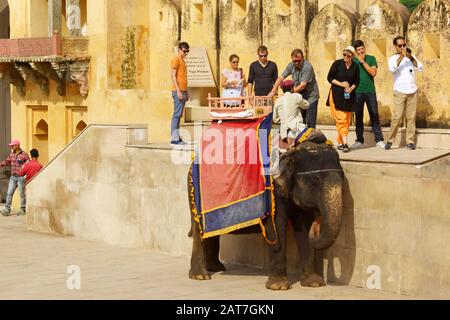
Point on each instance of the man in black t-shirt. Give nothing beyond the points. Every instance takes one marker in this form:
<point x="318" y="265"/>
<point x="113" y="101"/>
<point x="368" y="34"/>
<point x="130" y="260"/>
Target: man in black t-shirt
<point x="262" y="74"/>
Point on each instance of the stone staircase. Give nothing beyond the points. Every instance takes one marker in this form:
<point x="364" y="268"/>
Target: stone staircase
<point x="426" y="138"/>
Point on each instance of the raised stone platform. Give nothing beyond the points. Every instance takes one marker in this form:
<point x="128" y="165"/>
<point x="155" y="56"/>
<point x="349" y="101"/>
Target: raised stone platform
<point x="426" y="138"/>
<point x="110" y="188"/>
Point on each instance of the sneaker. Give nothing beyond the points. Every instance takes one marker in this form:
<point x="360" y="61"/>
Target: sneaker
<point x="357" y="145"/>
<point x="21" y="212"/>
<point x="345" y="148"/>
<point x="411" y="146"/>
<point x="178" y="143"/>
<point x="6" y="213"/>
<point x="381" y="145"/>
<point x="340" y="147"/>
<point x="388" y="146"/>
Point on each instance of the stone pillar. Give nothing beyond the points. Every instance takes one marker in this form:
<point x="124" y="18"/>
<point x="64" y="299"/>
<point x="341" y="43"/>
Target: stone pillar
<point x="54" y="17"/>
<point x="330" y="32"/>
<point x="73" y="17"/>
<point x="5" y="108"/>
<point x="380" y="23"/>
<point x="285" y="27"/>
<point x="429" y="39"/>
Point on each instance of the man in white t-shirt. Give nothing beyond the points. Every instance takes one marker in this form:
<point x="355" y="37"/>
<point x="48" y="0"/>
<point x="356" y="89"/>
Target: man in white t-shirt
<point x="404" y="66"/>
<point x="287" y="112"/>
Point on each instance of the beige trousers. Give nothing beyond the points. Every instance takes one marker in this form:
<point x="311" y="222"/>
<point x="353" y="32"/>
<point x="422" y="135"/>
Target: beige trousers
<point x="404" y="104"/>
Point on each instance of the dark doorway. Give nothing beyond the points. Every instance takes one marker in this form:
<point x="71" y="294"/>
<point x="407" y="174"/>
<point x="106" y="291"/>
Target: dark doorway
<point x="5" y="104"/>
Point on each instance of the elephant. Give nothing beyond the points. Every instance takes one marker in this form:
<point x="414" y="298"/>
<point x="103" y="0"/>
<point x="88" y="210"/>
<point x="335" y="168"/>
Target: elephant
<point x="308" y="193"/>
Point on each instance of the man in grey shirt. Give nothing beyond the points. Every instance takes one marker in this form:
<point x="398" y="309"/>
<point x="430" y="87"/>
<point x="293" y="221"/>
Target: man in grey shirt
<point x="302" y="73"/>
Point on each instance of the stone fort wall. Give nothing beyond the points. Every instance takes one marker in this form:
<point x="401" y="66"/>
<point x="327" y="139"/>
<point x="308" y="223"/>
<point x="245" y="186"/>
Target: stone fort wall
<point x="322" y="29"/>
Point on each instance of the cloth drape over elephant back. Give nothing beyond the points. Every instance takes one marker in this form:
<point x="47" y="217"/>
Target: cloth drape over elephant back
<point x="231" y="180"/>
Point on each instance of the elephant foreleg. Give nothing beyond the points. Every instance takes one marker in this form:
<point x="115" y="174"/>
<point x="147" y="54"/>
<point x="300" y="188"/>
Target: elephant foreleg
<point x="311" y="266"/>
<point x="277" y="253"/>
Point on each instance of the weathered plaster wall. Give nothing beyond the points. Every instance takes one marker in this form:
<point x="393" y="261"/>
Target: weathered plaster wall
<point x="199" y="27"/>
<point x="357" y="5"/>
<point x="331" y="31"/>
<point x="379" y="24"/>
<point x="285" y="27"/>
<point x="240" y="31"/>
<point x="429" y="37"/>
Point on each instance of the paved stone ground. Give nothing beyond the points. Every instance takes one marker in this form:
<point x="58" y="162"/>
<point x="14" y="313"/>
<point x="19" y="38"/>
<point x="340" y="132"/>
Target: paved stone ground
<point x="34" y="266"/>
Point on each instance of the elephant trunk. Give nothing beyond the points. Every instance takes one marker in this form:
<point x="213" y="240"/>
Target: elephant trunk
<point x="325" y="230"/>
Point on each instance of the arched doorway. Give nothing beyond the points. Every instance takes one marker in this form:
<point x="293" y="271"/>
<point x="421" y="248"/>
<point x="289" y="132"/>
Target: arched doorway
<point x="5" y="102"/>
<point x="40" y="140"/>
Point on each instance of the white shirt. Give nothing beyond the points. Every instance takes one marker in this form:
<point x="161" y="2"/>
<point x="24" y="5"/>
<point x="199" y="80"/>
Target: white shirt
<point x="404" y="74"/>
<point x="287" y="112"/>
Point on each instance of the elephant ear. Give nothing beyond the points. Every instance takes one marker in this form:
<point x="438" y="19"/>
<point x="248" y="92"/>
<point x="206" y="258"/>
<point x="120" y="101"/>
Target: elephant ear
<point x="285" y="180"/>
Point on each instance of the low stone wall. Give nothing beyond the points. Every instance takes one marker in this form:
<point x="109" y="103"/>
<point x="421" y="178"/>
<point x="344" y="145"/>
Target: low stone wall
<point x="396" y="217"/>
<point x="100" y="190"/>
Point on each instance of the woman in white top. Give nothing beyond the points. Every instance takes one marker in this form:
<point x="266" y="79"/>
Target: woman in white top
<point x="233" y="81"/>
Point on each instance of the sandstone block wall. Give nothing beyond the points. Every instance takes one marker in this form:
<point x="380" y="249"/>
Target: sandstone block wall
<point x="331" y="31"/>
<point x="429" y="37"/>
<point x="380" y="23"/>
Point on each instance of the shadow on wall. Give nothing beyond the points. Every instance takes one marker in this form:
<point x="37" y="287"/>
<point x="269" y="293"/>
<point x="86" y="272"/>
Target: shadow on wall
<point x="424" y="111"/>
<point x="341" y="257"/>
<point x="384" y="111"/>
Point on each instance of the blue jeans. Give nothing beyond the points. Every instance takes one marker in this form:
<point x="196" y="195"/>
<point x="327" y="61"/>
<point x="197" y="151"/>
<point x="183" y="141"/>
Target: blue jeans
<point x="15" y="182"/>
<point x="310" y="115"/>
<point x="372" y="106"/>
<point x="178" y="107"/>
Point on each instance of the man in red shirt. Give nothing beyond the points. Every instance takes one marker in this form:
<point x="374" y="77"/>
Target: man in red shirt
<point x="16" y="159"/>
<point x="32" y="167"/>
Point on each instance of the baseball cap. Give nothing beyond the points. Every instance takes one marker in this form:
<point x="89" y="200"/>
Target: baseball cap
<point x="14" y="143"/>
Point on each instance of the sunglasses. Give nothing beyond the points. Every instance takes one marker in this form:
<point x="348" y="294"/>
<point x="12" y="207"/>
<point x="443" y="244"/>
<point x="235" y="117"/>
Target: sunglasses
<point x="234" y="61"/>
<point x="348" y="55"/>
<point x="296" y="61"/>
<point x="186" y="51"/>
<point x="401" y="45"/>
<point x="263" y="55"/>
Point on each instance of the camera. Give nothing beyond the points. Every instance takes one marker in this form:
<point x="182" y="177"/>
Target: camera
<point x="408" y="50"/>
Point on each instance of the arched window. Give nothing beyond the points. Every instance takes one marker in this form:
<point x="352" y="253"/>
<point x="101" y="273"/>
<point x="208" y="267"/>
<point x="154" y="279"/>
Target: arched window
<point x="40" y="140"/>
<point x="74" y="18"/>
<point x="41" y="128"/>
<point x="80" y="127"/>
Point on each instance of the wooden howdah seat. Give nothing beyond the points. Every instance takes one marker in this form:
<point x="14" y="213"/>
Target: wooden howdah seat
<point x="239" y="108"/>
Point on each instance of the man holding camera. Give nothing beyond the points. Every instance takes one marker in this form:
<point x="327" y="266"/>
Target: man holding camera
<point x="404" y="66"/>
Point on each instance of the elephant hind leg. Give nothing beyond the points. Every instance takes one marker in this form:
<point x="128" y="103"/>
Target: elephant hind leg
<point x="213" y="263"/>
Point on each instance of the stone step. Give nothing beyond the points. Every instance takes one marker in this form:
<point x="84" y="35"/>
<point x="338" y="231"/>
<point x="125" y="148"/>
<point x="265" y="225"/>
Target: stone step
<point x="425" y="138"/>
<point x="196" y="113"/>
